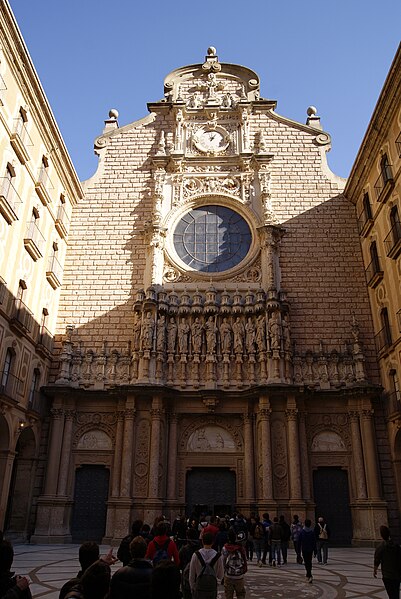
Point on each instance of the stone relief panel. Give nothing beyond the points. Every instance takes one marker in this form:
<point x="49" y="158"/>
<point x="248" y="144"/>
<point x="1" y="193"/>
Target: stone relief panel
<point x="328" y="441"/>
<point x="211" y="438"/>
<point x="142" y="440"/>
<point x="280" y="470"/>
<point x="95" y="439"/>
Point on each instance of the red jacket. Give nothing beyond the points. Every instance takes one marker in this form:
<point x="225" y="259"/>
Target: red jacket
<point x="172" y="550"/>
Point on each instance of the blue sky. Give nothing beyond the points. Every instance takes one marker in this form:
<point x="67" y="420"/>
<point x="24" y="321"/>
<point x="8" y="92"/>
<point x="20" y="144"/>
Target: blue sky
<point x="93" y="55"/>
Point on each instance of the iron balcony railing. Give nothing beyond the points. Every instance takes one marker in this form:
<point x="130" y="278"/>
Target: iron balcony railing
<point x="392" y="241"/>
<point x="10" y="385"/>
<point x="23" y="316"/>
<point x="393" y="402"/>
<point x="383" y="339"/>
<point x="44" y="178"/>
<point x="374" y="273"/>
<point x="384" y="181"/>
<point x="9" y="194"/>
<point x="45" y="338"/>
<point x="364" y="220"/>
<point x="3" y="290"/>
<point x="34" y="235"/>
<point x="3" y="89"/>
<point x="20" y="128"/>
<point x="398" y="145"/>
<point x="55" y="267"/>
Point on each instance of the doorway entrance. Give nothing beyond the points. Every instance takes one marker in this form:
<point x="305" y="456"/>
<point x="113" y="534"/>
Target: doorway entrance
<point x="331" y="494"/>
<point x="210" y="490"/>
<point x="90" y="510"/>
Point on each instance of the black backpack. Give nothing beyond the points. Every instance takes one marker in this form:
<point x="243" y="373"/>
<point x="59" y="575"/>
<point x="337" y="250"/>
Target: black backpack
<point x="161" y="552"/>
<point x="206" y="582"/>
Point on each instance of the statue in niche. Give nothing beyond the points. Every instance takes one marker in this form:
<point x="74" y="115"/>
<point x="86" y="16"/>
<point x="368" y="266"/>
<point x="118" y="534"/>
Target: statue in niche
<point x="136" y="333"/>
<point x="196" y="336"/>
<point x="148" y="327"/>
<point x="161" y="334"/>
<point x="261" y="333"/>
<point x="171" y="335"/>
<point x="275" y="331"/>
<point x="202" y="442"/>
<point x="239" y="333"/>
<point x="183" y="334"/>
<point x="250" y="335"/>
<point x="286" y="334"/>
<point x="211" y="335"/>
<point x="226" y="336"/>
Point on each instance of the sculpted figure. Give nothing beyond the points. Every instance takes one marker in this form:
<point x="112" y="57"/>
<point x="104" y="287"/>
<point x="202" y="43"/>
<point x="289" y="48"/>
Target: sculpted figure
<point x="261" y="333"/>
<point x="136" y="333"/>
<point x="183" y="333"/>
<point x="239" y="333"/>
<point x="226" y="336"/>
<point x="161" y="334"/>
<point x="171" y="335"/>
<point x="148" y="327"/>
<point x="275" y="331"/>
<point x="196" y="336"/>
<point x="250" y="336"/>
<point x="211" y="335"/>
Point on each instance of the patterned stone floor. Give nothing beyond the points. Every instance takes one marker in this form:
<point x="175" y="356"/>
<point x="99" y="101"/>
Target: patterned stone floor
<point x="348" y="575"/>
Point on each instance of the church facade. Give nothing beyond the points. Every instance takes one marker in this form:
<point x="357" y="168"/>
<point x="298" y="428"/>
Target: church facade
<point x="216" y="348"/>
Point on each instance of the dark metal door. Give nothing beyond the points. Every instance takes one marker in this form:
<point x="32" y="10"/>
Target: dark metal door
<point x="210" y="487"/>
<point x="90" y="497"/>
<point x="331" y="494"/>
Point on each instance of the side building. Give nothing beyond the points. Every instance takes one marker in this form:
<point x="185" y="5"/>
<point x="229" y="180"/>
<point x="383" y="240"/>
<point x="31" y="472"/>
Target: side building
<point x="215" y="345"/>
<point x="38" y="191"/>
<point x="374" y="186"/>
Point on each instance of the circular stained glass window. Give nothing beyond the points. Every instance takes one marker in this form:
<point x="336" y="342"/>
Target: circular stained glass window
<point x="212" y="238"/>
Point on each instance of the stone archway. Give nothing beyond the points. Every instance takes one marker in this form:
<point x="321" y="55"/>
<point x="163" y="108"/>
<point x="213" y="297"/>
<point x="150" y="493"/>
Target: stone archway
<point x="6" y="458"/>
<point x="18" y="522"/>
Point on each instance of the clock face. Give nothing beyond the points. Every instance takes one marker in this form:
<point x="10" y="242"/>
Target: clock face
<point x="211" y="141"/>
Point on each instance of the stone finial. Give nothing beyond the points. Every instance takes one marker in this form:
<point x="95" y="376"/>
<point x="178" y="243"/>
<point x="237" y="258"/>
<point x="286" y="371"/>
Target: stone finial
<point x="113" y="113"/>
<point x="211" y="64"/>
<point x="313" y="119"/>
<point x="111" y="122"/>
<point x="211" y="51"/>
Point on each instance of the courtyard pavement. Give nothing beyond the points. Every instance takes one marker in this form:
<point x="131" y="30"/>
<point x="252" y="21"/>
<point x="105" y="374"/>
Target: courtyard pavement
<point x="349" y="574"/>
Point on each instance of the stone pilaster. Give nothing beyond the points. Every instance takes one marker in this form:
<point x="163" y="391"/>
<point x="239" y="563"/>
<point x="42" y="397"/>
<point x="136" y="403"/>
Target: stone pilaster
<point x="369" y="452"/>
<point x="293" y="450"/>
<point x="357" y="455"/>
<point x="304" y="457"/>
<point x="248" y="458"/>
<point x="65" y="454"/>
<point x="128" y="440"/>
<point x="118" y="452"/>
<point x="172" y="458"/>
<point x="56" y="439"/>
<point x="265" y="456"/>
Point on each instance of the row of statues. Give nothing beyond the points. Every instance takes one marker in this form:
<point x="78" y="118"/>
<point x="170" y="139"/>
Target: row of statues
<point x="237" y="335"/>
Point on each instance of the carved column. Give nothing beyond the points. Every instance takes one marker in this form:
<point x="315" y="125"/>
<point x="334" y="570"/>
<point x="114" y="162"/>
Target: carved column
<point x="127" y="452"/>
<point x="293" y="450"/>
<point x="249" y="458"/>
<point x="303" y="448"/>
<point x="172" y="457"/>
<point x="357" y="456"/>
<point x="56" y="438"/>
<point x="65" y="453"/>
<point x="156" y="415"/>
<point x="369" y="452"/>
<point x="118" y="453"/>
<point x="270" y="240"/>
<point x="266" y="456"/>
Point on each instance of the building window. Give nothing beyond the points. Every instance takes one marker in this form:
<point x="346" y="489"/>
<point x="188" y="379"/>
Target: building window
<point x="10" y="201"/>
<point x="34" y="387"/>
<point x="34" y="241"/>
<point x="385" y="322"/>
<point x="6" y="374"/>
<point x="62" y="221"/>
<point x="365" y="219"/>
<point x="374" y="274"/>
<point x="392" y="241"/>
<point x="44" y="185"/>
<point x="385" y="181"/>
<point x="54" y="273"/>
<point x="394" y="398"/>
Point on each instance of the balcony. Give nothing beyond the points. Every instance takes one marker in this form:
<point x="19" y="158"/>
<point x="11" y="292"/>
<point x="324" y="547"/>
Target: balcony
<point x="20" y="140"/>
<point x="54" y="273"/>
<point x="383" y="339"/>
<point x="398" y="145"/>
<point x="365" y="222"/>
<point x="373" y="273"/>
<point x="392" y="242"/>
<point x="62" y="221"/>
<point x="44" y="345"/>
<point x="384" y="183"/>
<point x="10" y="201"/>
<point x="393" y="402"/>
<point x="34" y="241"/>
<point x="22" y="320"/>
<point x="44" y="186"/>
<point x="10" y="385"/>
<point x="3" y="89"/>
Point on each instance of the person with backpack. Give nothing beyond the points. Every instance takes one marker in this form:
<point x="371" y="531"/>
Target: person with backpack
<point x="162" y="547"/>
<point x="296" y="527"/>
<point x="322" y="533"/>
<point x="205" y="570"/>
<point x="185" y="554"/>
<point x="123" y="552"/>
<point x="235" y="566"/>
<point x="134" y="579"/>
<point x="388" y="556"/>
<point x="258" y="535"/>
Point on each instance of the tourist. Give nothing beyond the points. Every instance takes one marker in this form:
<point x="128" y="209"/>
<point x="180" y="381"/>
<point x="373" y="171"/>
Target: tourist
<point x="235" y="567"/>
<point x="296" y="527"/>
<point x="123" y="552"/>
<point x="285" y="537"/>
<point x="267" y="549"/>
<point x="185" y="554"/>
<point x="162" y="547"/>
<point x="166" y="581"/>
<point x="322" y="533"/>
<point x="95" y="581"/>
<point x="88" y="554"/>
<point x="11" y="586"/>
<point x="258" y="535"/>
<point x="307" y="542"/>
<point x="134" y="579"/>
<point x="202" y="578"/>
<point x="275" y="538"/>
<point x="388" y="557"/>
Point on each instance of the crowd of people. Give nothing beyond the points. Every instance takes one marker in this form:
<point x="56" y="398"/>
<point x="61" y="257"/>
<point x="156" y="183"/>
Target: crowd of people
<point x="189" y="558"/>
